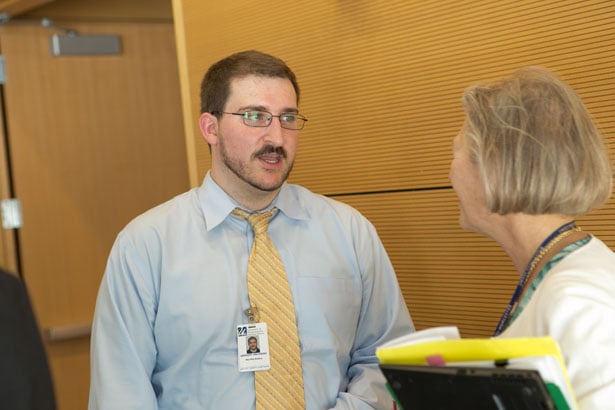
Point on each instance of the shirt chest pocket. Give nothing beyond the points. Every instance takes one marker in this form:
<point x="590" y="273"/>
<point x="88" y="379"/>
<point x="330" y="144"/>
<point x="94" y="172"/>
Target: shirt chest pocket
<point x="328" y="306"/>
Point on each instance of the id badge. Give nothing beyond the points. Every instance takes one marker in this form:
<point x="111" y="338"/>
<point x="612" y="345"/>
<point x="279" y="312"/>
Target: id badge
<point x="253" y="347"/>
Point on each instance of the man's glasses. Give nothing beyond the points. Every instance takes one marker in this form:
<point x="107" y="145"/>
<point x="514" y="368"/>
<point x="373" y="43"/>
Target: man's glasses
<point x="288" y="120"/>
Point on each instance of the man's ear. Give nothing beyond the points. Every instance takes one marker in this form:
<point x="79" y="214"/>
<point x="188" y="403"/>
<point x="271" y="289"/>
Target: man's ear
<point x="208" y="123"/>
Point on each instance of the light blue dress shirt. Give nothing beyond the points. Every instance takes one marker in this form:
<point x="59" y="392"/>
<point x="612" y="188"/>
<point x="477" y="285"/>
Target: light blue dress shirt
<point x="174" y="291"/>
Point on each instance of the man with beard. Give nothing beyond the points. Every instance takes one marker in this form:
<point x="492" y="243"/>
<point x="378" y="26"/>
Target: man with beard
<point x="253" y="345"/>
<point x="175" y="303"/>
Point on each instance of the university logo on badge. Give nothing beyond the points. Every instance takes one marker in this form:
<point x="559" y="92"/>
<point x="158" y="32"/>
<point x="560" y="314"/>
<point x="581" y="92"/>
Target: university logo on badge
<point x="242" y="331"/>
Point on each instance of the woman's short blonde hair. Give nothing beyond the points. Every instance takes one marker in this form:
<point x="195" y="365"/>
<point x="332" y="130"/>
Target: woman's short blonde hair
<point x="536" y="146"/>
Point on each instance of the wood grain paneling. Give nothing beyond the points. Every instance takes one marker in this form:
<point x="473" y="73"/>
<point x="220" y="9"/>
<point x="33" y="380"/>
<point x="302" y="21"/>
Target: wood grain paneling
<point x="95" y="141"/>
<point x="97" y="10"/>
<point x="381" y="85"/>
<point x="449" y="276"/>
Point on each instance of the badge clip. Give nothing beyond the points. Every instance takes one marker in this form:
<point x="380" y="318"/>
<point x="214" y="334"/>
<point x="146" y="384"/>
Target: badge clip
<point x="253" y="315"/>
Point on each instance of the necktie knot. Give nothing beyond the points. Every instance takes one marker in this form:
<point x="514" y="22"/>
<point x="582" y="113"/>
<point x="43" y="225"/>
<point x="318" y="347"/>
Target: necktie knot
<point x="258" y="221"/>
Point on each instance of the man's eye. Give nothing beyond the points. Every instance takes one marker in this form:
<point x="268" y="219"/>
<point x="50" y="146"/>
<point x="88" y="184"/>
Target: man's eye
<point x="255" y="115"/>
<point x="288" y="117"/>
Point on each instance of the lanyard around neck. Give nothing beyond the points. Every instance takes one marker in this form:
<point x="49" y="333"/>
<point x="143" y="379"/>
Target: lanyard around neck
<point x="523" y="279"/>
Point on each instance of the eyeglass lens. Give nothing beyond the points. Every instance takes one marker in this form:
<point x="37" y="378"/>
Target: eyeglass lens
<point x="288" y="120"/>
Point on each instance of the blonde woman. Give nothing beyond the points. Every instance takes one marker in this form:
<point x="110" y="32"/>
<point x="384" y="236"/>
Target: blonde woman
<point x="527" y="161"/>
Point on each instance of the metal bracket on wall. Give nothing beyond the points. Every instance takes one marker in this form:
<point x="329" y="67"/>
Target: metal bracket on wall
<point x="11" y="213"/>
<point x="2" y="70"/>
<point x="67" y="332"/>
<point x="71" y="43"/>
<point x="88" y="44"/>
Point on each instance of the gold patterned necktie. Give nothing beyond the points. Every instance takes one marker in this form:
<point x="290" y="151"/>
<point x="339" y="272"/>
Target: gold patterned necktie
<point x="280" y="387"/>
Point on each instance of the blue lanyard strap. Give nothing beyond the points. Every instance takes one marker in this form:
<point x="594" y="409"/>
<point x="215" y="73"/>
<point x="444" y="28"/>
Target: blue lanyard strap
<point x="533" y="285"/>
<point x="523" y="279"/>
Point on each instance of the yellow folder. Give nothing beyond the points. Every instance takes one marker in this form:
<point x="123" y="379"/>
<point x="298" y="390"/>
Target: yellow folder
<point x="429" y="347"/>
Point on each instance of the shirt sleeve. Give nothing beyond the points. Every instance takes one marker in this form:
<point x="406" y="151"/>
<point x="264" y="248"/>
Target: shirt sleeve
<point x="579" y="315"/>
<point x="384" y="316"/>
<point x="123" y="349"/>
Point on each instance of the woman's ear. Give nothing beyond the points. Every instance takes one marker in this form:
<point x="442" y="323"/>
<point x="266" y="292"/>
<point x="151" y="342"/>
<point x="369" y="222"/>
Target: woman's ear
<point x="208" y="123"/>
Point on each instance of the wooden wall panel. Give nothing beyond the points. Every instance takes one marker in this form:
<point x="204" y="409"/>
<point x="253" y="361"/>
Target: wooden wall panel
<point x="449" y="276"/>
<point x="94" y="141"/>
<point x="381" y="85"/>
<point x="97" y="10"/>
<point x="385" y="77"/>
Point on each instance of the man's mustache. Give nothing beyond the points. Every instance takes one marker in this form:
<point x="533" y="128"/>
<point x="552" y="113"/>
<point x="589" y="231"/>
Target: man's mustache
<point x="270" y="149"/>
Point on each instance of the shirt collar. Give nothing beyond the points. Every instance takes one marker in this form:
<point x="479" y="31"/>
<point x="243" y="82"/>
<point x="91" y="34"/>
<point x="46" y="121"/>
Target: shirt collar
<point x="217" y="204"/>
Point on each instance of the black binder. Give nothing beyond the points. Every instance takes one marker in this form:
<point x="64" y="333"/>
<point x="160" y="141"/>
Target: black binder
<point x="467" y="388"/>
